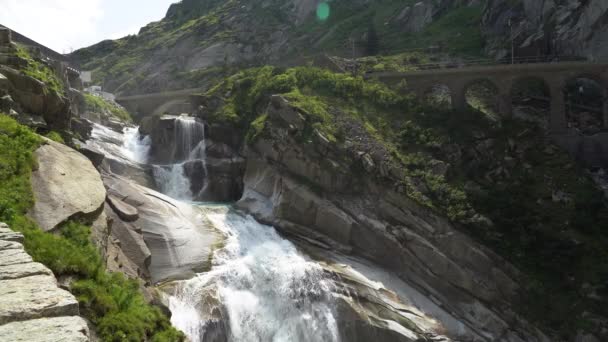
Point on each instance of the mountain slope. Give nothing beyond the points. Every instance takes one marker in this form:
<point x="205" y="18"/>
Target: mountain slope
<point x="199" y="39"/>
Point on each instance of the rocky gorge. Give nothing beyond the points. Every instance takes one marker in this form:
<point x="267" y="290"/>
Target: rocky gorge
<point x="294" y="203"/>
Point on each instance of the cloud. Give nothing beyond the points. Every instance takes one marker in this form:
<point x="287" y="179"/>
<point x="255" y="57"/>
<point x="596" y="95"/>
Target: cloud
<point x="58" y="24"/>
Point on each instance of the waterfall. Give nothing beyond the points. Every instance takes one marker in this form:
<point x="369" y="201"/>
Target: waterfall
<point x="189" y="138"/>
<point x="264" y="288"/>
<point x="173" y="181"/>
<point x="135" y="146"/>
<point x="128" y="146"/>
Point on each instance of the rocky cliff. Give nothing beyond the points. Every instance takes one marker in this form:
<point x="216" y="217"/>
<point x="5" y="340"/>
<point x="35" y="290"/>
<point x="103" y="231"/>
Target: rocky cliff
<point x="440" y="198"/>
<point x="548" y="27"/>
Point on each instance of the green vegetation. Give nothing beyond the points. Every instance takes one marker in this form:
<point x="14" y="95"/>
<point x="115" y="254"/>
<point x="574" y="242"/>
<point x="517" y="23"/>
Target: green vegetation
<point x="40" y="71"/>
<point x="100" y="105"/>
<point x="55" y="136"/>
<point x="113" y="303"/>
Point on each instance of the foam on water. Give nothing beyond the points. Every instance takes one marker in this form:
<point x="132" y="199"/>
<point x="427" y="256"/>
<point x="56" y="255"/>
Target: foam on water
<point x="266" y="289"/>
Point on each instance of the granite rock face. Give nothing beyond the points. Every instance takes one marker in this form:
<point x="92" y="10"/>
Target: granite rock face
<point x="65" y="185"/>
<point x="549" y="27"/>
<point x="168" y="240"/>
<point x="369" y="219"/>
<point x="32" y="306"/>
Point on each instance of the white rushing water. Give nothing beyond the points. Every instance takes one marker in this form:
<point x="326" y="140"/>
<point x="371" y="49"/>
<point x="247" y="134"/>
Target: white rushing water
<point x="172" y="181"/>
<point x="128" y="146"/>
<point x="268" y="291"/>
<point x="189" y="146"/>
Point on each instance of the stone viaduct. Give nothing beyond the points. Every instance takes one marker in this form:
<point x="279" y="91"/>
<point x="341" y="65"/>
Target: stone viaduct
<point x="503" y="78"/>
<point x="592" y="150"/>
<point x="169" y="102"/>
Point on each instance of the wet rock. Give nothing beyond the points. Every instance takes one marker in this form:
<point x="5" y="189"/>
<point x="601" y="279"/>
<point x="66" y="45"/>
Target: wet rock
<point x="172" y="232"/>
<point x="125" y="211"/>
<point x="131" y="243"/>
<point x="65" y="185"/>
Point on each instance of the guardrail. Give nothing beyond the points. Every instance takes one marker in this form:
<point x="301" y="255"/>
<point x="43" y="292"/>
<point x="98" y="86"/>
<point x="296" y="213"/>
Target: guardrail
<point x="504" y="61"/>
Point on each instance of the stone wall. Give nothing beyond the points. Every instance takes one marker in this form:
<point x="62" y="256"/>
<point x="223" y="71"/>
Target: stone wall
<point x="19" y="38"/>
<point x="32" y="306"/>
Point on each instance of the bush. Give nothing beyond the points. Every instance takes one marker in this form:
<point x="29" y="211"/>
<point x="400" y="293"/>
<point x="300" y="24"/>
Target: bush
<point x="100" y="105"/>
<point x="40" y="71"/>
<point x="56" y="137"/>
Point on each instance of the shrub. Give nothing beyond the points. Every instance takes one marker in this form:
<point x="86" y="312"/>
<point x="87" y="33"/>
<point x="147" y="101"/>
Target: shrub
<point x="55" y="136"/>
<point x="100" y="105"/>
<point x="40" y="71"/>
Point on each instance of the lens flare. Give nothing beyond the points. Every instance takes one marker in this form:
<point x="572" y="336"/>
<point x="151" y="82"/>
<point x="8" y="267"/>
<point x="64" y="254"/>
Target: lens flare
<point x="323" y="11"/>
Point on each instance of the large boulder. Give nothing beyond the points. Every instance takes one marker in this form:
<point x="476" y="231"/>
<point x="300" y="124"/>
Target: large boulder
<point x="66" y="185"/>
<point x="172" y="233"/>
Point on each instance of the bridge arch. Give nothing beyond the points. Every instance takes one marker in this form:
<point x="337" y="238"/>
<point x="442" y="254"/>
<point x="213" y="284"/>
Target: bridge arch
<point x="173" y="107"/>
<point x="531" y="98"/>
<point x="483" y="94"/>
<point x="438" y="94"/>
<point x="586" y="103"/>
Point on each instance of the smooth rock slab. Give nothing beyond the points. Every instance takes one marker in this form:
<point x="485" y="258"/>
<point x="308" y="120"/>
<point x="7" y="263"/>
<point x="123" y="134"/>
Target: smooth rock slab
<point x="65" y="184"/>
<point x="56" y="329"/>
<point x="34" y="297"/>
<point x="125" y="211"/>
<point x="14" y="256"/>
<point x="10" y="245"/>
<point x="23" y="270"/>
<point x="8" y="235"/>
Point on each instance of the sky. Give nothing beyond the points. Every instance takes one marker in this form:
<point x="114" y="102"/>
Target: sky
<point x="66" y="25"/>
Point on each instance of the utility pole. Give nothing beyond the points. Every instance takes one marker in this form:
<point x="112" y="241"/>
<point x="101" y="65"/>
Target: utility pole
<point x="512" y="41"/>
<point x="353" y="70"/>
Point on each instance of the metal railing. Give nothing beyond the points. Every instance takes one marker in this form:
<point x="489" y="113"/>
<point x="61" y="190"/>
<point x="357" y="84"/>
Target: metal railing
<point x="504" y="61"/>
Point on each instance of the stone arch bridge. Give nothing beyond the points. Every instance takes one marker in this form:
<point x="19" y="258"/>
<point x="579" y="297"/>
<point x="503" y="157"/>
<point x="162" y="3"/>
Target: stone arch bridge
<point x="503" y="78"/>
<point x="592" y="150"/>
<point x="169" y="102"/>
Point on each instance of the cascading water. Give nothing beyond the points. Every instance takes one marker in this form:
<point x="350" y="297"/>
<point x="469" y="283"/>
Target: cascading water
<point x="128" y="146"/>
<point x="265" y="289"/>
<point x="189" y="147"/>
<point x="258" y="286"/>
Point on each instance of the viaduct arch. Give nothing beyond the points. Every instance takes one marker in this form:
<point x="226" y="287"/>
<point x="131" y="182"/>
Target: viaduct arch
<point x="504" y="77"/>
